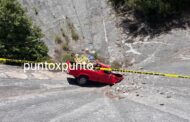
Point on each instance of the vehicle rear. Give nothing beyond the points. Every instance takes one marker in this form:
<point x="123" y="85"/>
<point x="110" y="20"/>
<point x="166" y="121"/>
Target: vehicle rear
<point x="114" y="78"/>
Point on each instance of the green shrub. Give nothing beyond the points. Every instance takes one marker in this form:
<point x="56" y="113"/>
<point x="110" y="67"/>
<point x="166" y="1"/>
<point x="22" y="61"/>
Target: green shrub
<point x="58" y="40"/>
<point x="117" y="3"/>
<point x="74" y="34"/>
<point x="65" y="47"/>
<point x="66" y="57"/>
<point x="65" y="36"/>
<point x="154" y="9"/>
<point x="95" y="55"/>
<point x="19" y="37"/>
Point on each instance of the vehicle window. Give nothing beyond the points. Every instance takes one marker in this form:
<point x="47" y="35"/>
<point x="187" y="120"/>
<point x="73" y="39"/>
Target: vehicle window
<point x="107" y="72"/>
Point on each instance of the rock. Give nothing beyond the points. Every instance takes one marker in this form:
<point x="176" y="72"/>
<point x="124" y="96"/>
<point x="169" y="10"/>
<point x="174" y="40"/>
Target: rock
<point x="162" y="104"/>
<point x="2" y="75"/>
<point x="39" y="76"/>
<point x="14" y="74"/>
<point x="162" y="93"/>
<point x="86" y="17"/>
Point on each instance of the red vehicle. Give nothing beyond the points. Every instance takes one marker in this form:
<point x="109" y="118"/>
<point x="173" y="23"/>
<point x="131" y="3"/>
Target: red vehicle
<point x="83" y="75"/>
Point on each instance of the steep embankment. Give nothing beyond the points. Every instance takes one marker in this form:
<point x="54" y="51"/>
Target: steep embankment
<point x="81" y="23"/>
<point x="92" y="24"/>
<point x="50" y="96"/>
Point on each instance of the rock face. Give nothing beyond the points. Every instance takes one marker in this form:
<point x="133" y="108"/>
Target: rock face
<point x="85" y="23"/>
<point x="92" y="24"/>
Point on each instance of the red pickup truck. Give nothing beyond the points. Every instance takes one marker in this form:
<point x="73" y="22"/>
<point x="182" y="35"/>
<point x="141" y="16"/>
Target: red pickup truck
<point x="83" y="75"/>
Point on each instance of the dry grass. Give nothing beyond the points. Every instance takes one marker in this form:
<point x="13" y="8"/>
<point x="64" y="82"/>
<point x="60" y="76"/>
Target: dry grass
<point x="58" y="40"/>
<point x="72" y="28"/>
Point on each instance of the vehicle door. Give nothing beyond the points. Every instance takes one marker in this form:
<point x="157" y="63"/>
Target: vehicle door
<point x="103" y="76"/>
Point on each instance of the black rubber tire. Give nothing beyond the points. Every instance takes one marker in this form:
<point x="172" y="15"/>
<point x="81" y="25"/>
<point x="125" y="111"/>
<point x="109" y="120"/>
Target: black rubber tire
<point x="82" y="80"/>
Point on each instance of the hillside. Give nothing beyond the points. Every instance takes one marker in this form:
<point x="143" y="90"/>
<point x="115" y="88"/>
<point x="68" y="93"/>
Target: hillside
<point x="121" y="38"/>
<point x="93" y="23"/>
<point x="98" y="28"/>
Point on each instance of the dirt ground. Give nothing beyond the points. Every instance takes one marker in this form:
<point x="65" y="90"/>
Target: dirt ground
<point x="53" y="96"/>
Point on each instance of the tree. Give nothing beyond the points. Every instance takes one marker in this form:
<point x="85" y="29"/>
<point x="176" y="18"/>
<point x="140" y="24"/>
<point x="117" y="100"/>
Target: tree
<point x="154" y="10"/>
<point x="19" y="37"/>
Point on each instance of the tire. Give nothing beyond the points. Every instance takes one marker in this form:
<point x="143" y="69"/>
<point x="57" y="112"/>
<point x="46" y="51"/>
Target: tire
<point x="82" y="80"/>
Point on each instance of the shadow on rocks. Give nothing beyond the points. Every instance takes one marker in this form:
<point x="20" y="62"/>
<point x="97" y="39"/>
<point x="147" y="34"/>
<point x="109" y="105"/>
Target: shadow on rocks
<point x="135" y="24"/>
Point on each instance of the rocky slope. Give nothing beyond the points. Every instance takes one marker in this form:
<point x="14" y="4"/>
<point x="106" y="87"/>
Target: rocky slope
<point x="50" y="96"/>
<point x="91" y="21"/>
<point x="94" y="25"/>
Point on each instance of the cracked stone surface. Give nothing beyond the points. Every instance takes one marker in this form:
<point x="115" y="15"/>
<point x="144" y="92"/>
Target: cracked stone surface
<point x="97" y="23"/>
<point x="93" y="20"/>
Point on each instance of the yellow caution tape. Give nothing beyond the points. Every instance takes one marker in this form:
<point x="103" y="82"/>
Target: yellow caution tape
<point x="14" y="61"/>
<point x="4" y="60"/>
<point x="146" y="73"/>
<point x="21" y="62"/>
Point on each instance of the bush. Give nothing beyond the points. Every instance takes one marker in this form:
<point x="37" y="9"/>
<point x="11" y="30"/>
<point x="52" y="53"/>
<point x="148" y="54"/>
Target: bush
<point x="154" y="10"/>
<point x="65" y="47"/>
<point x="19" y="37"/>
<point x="65" y="36"/>
<point x="117" y="3"/>
<point x="68" y="56"/>
<point x="58" y="39"/>
<point x="96" y="56"/>
<point x="74" y="33"/>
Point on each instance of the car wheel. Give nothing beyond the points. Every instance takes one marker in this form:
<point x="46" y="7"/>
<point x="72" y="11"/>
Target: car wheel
<point x="82" y="80"/>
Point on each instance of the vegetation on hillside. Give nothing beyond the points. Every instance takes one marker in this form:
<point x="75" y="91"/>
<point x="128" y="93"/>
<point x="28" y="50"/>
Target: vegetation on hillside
<point x="153" y="10"/>
<point x="19" y="37"/>
<point x="152" y="17"/>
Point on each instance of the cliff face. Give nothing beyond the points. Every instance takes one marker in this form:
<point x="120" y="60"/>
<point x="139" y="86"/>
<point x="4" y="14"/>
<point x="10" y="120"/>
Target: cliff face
<point x="92" y="24"/>
<point x="85" y="23"/>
